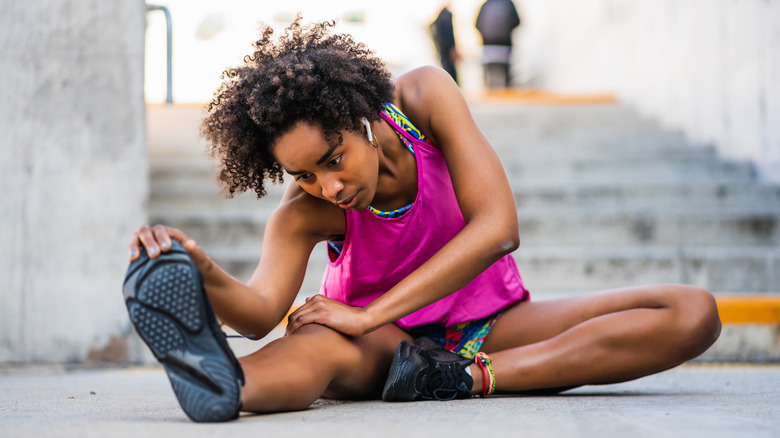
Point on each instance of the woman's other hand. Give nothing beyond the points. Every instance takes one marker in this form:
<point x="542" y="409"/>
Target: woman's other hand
<point x="352" y="321"/>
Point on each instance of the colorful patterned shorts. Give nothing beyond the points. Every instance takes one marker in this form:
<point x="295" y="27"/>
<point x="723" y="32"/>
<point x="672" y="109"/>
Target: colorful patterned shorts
<point x="465" y="339"/>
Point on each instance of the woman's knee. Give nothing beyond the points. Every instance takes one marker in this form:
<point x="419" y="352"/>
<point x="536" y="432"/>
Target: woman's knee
<point x="319" y="341"/>
<point x="696" y="317"/>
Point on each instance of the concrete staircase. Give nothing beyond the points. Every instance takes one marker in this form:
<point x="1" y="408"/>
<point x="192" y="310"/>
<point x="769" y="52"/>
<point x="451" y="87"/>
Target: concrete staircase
<point x="605" y="199"/>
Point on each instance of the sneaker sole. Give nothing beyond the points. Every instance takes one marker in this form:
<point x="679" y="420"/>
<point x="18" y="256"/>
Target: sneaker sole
<point x="168" y="307"/>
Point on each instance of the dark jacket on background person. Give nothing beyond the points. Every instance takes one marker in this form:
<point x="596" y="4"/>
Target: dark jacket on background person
<point x="495" y="22"/>
<point x="444" y="39"/>
<point x="442" y="32"/>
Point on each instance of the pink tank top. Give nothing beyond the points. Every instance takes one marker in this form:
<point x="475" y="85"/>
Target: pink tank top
<point x="380" y="252"/>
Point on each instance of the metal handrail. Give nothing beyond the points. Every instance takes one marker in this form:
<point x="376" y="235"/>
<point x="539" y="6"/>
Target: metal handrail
<point x="169" y="85"/>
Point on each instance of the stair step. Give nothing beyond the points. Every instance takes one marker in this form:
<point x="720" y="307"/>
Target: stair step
<point x="494" y="117"/>
<point x="242" y="261"/>
<point x="612" y="170"/>
<point x="630" y="151"/>
<point x="726" y="269"/>
<point x="531" y="196"/>
<point x="759" y="228"/>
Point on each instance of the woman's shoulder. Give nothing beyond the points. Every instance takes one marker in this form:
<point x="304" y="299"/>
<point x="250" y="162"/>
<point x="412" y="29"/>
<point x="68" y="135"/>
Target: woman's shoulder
<point x="424" y="73"/>
<point x="416" y="94"/>
<point x="413" y="87"/>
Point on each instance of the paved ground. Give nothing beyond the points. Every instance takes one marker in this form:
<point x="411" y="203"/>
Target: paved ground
<point x="690" y="401"/>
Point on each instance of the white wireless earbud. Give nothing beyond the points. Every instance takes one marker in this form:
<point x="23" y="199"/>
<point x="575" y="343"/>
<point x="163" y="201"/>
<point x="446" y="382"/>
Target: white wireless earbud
<point x="368" y="129"/>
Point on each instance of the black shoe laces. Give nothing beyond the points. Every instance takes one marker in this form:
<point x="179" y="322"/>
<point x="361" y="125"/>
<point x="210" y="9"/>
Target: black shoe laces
<point x="446" y="382"/>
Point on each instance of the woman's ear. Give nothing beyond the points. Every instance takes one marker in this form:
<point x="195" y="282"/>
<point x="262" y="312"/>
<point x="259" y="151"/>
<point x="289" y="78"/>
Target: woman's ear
<point x="368" y="129"/>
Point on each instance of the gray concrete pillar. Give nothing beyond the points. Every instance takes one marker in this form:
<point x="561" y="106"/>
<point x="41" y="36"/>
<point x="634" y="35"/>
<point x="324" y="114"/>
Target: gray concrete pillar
<point x="73" y="173"/>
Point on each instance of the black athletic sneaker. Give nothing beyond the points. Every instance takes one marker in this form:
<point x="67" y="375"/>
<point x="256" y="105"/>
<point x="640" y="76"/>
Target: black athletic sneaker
<point x="436" y="351"/>
<point x="430" y="373"/>
<point x="169" y="308"/>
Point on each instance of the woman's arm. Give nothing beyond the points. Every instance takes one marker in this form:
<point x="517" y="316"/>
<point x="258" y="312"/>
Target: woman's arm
<point x="433" y="102"/>
<point x="295" y="227"/>
<point x="255" y="308"/>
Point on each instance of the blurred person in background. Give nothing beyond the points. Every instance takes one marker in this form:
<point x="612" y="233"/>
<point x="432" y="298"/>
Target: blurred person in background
<point x="443" y="35"/>
<point x="495" y="22"/>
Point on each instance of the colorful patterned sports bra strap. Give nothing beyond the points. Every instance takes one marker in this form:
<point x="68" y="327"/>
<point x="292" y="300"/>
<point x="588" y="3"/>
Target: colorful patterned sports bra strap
<point x="401" y="120"/>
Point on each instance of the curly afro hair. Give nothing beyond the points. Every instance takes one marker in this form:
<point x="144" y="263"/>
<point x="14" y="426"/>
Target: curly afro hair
<point x="306" y="75"/>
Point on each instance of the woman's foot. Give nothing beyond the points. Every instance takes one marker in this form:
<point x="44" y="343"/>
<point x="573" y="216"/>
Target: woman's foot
<point x="433" y="373"/>
<point x="171" y="312"/>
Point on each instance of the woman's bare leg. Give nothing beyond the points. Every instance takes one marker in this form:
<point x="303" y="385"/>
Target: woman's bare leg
<point x="600" y="338"/>
<point x="292" y="372"/>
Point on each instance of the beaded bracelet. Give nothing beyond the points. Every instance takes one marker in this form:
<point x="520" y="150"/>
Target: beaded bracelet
<point x="485" y="364"/>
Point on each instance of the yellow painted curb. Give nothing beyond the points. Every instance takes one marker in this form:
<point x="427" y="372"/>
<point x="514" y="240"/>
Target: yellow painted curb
<point x="283" y="322"/>
<point x="520" y="95"/>
<point x="750" y="309"/>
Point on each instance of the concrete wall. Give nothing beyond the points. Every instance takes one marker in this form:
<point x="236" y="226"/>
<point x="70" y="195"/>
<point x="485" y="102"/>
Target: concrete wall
<point x="73" y="173"/>
<point x="708" y="67"/>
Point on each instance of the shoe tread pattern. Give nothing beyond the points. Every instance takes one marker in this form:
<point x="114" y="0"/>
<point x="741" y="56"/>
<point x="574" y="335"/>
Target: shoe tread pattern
<point x="172" y="289"/>
<point x="160" y="333"/>
<point x="167" y="296"/>
<point x="169" y="309"/>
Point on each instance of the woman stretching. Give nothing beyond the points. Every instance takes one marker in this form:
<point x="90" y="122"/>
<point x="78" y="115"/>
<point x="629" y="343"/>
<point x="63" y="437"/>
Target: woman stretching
<point x="421" y="298"/>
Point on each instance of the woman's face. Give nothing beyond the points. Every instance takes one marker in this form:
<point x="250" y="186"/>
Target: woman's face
<point x="345" y="174"/>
